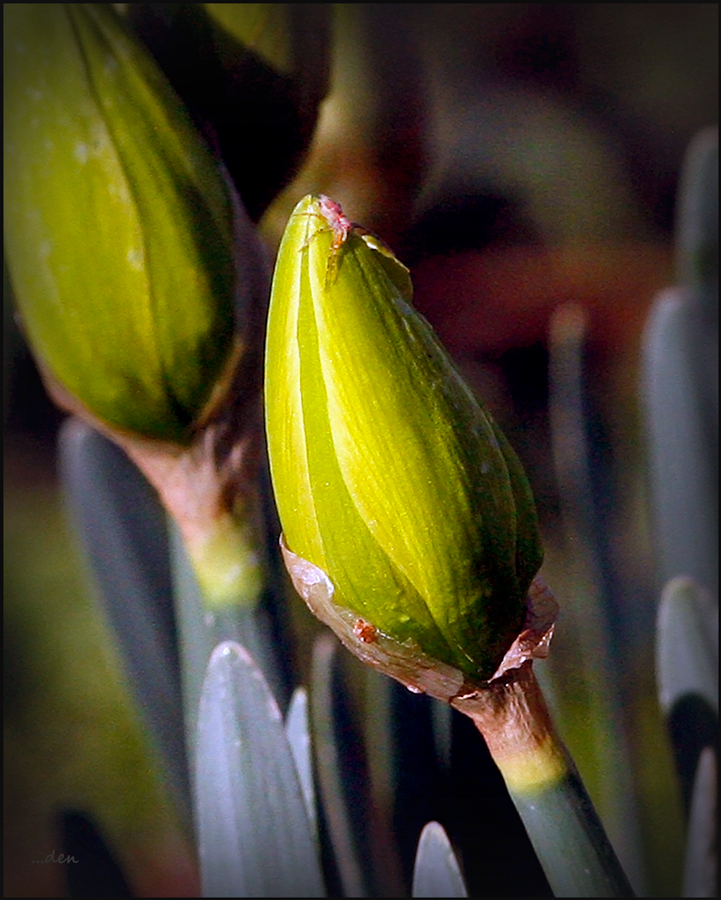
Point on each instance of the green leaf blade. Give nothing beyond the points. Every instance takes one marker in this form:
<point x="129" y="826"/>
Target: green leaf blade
<point x="255" y="839"/>
<point x="436" y="872"/>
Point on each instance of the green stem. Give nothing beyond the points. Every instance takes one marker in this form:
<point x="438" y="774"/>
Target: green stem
<point x="570" y="841"/>
<point x="543" y="782"/>
<point x="218" y="556"/>
<point x="203" y="624"/>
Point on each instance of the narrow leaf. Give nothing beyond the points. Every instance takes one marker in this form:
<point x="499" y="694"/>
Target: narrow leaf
<point x="122" y="530"/>
<point x="255" y="839"/>
<point x="297" y="729"/>
<point x="687" y="651"/>
<point x="701" y="865"/>
<point x="681" y="411"/>
<point x="342" y="808"/>
<point x="436" y="872"/>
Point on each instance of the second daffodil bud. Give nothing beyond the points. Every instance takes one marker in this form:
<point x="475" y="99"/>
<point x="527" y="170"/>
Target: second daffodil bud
<point x="118" y="223"/>
<point x="397" y="493"/>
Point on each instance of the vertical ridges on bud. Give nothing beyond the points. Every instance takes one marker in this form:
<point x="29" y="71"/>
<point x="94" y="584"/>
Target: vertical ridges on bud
<point x="388" y="474"/>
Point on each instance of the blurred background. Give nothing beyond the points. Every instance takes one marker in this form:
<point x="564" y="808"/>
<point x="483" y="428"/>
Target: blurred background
<point x="523" y="160"/>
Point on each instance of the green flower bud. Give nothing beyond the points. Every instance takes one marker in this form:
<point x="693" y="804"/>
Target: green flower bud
<point x="118" y="223"/>
<point x="389" y="476"/>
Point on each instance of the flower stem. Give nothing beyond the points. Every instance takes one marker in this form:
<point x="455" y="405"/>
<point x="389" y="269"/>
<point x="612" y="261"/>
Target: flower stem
<point x="545" y="786"/>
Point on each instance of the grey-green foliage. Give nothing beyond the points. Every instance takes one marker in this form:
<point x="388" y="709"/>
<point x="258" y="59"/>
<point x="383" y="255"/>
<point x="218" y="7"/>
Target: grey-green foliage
<point x="255" y="838"/>
<point x="687" y="644"/>
<point x="687" y="667"/>
<point x="680" y="359"/>
<point x="700" y="875"/>
<point x="680" y="382"/>
<point x="298" y="735"/>
<point x="436" y="872"/>
<point x="125" y="543"/>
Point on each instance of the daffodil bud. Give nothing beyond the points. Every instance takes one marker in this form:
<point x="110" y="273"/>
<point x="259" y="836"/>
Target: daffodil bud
<point x="118" y="223"/>
<point x="397" y="493"/>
